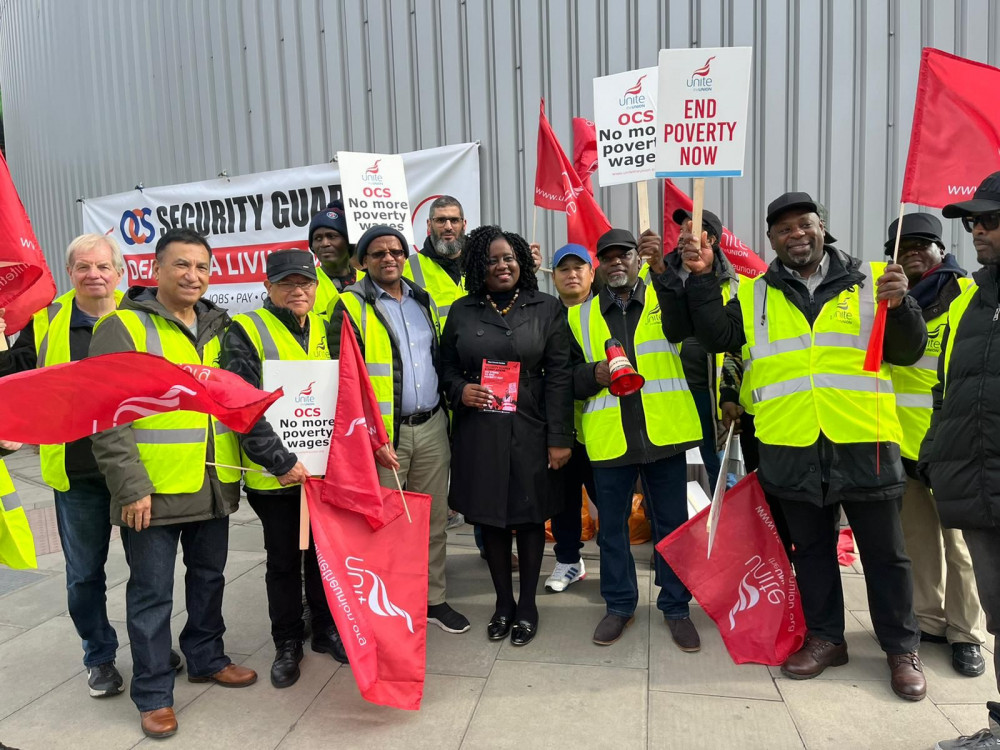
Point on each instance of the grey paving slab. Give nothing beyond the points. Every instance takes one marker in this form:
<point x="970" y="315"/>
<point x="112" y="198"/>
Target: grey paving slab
<point x="967" y="718"/>
<point x="339" y="717"/>
<point x="710" y="671"/>
<point x="12" y="580"/>
<point x="52" y="561"/>
<point x="866" y="660"/>
<point x="729" y="722"/>
<point x="837" y="714"/>
<point x="244" y="514"/>
<point x="471" y="653"/>
<point x="247" y="537"/>
<point x="33" y="495"/>
<point x="32" y="605"/>
<point x="244" y="607"/>
<point x="518" y="708"/>
<point x="855" y="593"/>
<point x="8" y="631"/>
<point x="37" y="661"/>
<point x="945" y="685"/>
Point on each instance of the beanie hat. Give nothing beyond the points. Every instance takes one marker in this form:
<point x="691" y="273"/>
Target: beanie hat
<point x="331" y="217"/>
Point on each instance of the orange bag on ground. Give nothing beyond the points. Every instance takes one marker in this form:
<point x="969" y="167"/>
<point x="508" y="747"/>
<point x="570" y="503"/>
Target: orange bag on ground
<point x="587" y="526"/>
<point x="639" y="530"/>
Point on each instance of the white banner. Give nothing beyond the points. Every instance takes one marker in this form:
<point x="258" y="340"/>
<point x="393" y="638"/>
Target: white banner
<point x="303" y="416"/>
<point x="625" y="116"/>
<point x="374" y="187"/>
<point x="702" y="118"/>
<point x="246" y="218"/>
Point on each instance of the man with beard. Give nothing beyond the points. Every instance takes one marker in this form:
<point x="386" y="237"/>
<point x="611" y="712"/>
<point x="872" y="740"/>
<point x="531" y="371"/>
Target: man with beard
<point x="438" y="267"/>
<point x="960" y="453"/>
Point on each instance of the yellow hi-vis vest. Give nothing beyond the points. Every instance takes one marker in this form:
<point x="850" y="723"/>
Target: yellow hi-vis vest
<point x="174" y="446"/>
<point x="434" y="280"/>
<point x="671" y="417"/>
<point x="955" y="313"/>
<point x="799" y="380"/>
<point x="273" y="341"/>
<point x="913" y="385"/>
<point x="326" y="293"/>
<point x="17" y="545"/>
<point x="51" y="330"/>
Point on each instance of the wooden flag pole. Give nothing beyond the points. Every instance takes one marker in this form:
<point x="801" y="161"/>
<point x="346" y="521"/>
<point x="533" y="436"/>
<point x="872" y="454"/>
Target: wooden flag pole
<point x="534" y="223"/>
<point x="303" y="519"/>
<point x="402" y="496"/>
<point x="899" y="233"/>
<point x="234" y="468"/>
<point x="642" y="194"/>
<point x="698" y="201"/>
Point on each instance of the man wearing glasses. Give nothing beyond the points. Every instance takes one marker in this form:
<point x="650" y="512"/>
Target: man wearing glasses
<point x="960" y="455"/>
<point x="398" y="330"/>
<point x="438" y="268"/>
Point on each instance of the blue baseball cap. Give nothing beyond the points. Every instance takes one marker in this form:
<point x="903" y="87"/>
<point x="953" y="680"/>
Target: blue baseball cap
<point x="577" y="251"/>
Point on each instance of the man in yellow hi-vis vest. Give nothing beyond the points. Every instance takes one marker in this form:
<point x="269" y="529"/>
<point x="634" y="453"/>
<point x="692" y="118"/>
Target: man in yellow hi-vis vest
<point x="944" y="586"/>
<point x="438" y="267"/>
<point x="328" y="242"/>
<point x="643" y="435"/>
<point x="165" y="488"/>
<point x="828" y="431"/>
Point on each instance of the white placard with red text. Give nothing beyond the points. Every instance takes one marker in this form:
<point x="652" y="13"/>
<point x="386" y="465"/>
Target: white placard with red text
<point x="246" y="218"/>
<point x="374" y="187"/>
<point x="702" y="118"/>
<point x="303" y="416"/>
<point x="625" y="118"/>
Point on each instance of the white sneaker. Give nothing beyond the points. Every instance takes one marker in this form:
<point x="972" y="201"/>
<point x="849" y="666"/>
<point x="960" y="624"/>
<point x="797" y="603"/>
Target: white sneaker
<point x="565" y="574"/>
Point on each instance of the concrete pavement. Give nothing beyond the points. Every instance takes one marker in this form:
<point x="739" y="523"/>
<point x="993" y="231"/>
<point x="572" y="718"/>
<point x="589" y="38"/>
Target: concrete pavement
<point x="560" y="691"/>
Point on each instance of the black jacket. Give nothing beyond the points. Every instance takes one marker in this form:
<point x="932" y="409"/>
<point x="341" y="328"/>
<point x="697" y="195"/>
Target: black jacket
<point x="960" y="455"/>
<point x="367" y="291"/>
<point x="639" y="449"/>
<point x="239" y="355"/>
<point x="499" y="461"/>
<point x="824" y="472"/>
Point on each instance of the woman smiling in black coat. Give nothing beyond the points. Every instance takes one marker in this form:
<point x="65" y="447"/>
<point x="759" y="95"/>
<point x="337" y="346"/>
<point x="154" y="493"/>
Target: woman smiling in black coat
<point x="502" y="461"/>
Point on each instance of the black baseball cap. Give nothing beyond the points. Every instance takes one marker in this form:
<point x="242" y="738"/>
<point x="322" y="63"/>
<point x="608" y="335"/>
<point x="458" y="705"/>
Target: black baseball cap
<point x="709" y="221"/>
<point x="282" y="263"/>
<point x="986" y="199"/>
<point x="616" y="238"/>
<point x="787" y="201"/>
<point x="925" y="226"/>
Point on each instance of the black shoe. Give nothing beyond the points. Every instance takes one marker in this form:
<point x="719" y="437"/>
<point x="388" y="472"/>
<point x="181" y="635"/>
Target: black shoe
<point x="327" y="641"/>
<point x="967" y="659"/>
<point x="499" y="627"/>
<point x="104" y="680"/>
<point x="447" y="619"/>
<point x="175" y="662"/>
<point x="285" y="669"/>
<point x="610" y="629"/>
<point x="931" y="638"/>
<point x="523" y="633"/>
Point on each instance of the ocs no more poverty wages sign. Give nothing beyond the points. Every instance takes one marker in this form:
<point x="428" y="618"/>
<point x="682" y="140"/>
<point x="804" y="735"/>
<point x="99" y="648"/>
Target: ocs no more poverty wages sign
<point x="625" y="116"/>
<point x="702" y="118"/>
<point x="375" y="193"/>
<point x="303" y="416"/>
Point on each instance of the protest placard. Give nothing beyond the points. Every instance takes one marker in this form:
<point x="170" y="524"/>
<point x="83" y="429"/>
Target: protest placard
<point x="374" y="187"/>
<point x="303" y="417"/>
<point x="625" y="118"/>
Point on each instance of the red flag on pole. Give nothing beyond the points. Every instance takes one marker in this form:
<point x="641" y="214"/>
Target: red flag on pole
<point x="745" y="261"/>
<point x="558" y="187"/>
<point x="358" y="432"/>
<point x="26" y="284"/>
<point x="955" y="138"/>
<point x="376" y="585"/>
<point x="66" y="402"/>
<point x="585" y="151"/>
<point x="747" y="587"/>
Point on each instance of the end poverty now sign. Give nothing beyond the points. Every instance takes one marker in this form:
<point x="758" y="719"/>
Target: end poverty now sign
<point x="702" y="117"/>
<point x="625" y="118"/>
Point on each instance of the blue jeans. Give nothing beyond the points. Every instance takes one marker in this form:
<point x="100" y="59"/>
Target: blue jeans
<point x="710" y="455"/>
<point x="149" y="599"/>
<point x="84" y="523"/>
<point x="664" y="484"/>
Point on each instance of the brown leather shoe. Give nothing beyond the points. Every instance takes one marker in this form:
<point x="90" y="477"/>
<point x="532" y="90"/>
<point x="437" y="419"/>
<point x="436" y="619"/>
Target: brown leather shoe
<point x="233" y="676"/>
<point x="814" y="657"/>
<point x="908" y="680"/>
<point x="159" y="723"/>
<point x="685" y="634"/>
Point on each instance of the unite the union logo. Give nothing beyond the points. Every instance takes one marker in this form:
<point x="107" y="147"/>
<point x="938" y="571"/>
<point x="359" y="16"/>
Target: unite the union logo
<point x="700" y="79"/>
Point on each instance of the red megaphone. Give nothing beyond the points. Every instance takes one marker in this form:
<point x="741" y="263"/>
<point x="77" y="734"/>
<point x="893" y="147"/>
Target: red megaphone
<point x="624" y="379"/>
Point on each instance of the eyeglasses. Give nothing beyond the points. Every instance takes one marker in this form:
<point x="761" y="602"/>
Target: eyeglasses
<point x="989" y="221"/>
<point x="395" y="253"/>
<point x="288" y="286"/>
<point x="507" y="259"/>
<point x="442" y="220"/>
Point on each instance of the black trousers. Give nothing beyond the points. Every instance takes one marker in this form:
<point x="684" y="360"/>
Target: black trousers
<point x="279" y="515"/>
<point x="888" y="577"/>
<point x="567" y="525"/>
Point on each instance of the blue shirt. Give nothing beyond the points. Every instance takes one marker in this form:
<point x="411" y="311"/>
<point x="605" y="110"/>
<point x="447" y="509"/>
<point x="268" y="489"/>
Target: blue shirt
<point x="412" y="330"/>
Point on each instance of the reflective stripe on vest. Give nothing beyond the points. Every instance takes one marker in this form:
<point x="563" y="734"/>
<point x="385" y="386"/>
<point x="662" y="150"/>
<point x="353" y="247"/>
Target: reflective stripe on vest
<point x="667" y="404"/>
<point x="51" y="331"/>
<point x="378" y="355"/>
<point x="434" y="280"/>
<point x="913" y="385"/>
<point x="8" y="494"/>
<point x="275" y="342"/>
<point x="801" y="379"/>
<point x="173" y="446"/>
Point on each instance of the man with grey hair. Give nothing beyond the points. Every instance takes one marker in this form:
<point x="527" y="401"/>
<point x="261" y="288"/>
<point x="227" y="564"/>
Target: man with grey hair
<point x="62" y="333"/>
<point x="438" y="268"/>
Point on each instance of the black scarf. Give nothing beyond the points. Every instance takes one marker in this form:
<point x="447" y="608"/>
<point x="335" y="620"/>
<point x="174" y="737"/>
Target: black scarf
<point x="928" y="289"/>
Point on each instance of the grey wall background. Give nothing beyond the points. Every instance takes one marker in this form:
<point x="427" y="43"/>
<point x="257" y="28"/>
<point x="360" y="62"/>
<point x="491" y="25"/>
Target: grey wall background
<point x="102" y="94"/>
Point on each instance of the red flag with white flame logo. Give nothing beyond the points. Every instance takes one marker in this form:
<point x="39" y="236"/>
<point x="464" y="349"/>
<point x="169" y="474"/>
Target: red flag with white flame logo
<point x="747" y="587"/>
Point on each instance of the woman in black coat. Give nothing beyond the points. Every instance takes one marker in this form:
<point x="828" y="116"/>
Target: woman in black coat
<point x="502" y="462"/>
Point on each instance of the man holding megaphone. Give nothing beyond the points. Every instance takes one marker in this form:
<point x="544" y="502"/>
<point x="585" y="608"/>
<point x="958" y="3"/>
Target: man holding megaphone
<point x="638" y="420"/>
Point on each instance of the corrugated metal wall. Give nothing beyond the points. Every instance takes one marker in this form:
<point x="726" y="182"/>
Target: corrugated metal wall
<point x="100" y="95"/>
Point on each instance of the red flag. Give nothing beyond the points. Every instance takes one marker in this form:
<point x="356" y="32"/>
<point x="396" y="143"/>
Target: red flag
<point x="358" y="431"/>
<point x="747" y="587"/>
<point x="585" y="151"/>
<point x="745" y="261"/>
<point x="376" y="586"/>
<point x="26" y="284"/>
<point x="558" y="187"/>
<point x="955" y="138"/>
<point x="66" y="402"/>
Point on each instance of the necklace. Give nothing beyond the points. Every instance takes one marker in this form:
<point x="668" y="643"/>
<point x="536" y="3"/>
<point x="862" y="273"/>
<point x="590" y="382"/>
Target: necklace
<point x="510" y="304"/>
